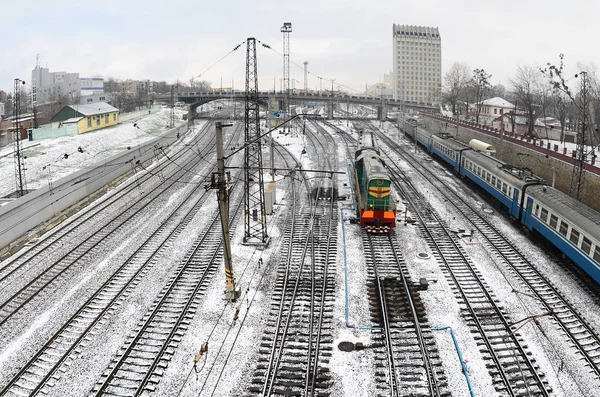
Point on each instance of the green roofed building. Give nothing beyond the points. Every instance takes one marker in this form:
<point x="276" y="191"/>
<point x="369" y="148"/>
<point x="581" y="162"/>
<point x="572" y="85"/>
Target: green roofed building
<point x="93" y="116"/>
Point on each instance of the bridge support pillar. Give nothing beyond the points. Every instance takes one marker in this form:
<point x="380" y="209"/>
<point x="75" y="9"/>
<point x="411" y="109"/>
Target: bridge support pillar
<point x="330" y="110"/>
<point x="382" y="111"/>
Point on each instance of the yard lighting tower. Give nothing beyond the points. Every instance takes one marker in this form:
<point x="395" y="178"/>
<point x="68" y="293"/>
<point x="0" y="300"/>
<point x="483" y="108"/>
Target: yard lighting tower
<point x="305" y="76"/>
<point x="286" y="29"/>
<point x="18" y="151"/>
<point x="254" y="192"/>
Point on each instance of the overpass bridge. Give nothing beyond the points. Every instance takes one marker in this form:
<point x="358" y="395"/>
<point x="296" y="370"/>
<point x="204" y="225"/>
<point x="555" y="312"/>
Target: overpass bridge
<point x="195" y="99"/>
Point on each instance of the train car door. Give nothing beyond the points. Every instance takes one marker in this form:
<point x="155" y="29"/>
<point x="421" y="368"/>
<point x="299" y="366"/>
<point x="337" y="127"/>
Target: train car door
<point x="514" y="206"/>
<point x="527" y="217"/>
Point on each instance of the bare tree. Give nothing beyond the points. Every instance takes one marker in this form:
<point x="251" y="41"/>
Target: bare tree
<point x="581" y="101"/>
<point x="481" y="86"/>
<point x="455" y="82"/>
<point x="594" y="100"/>
<point x="532" y="93"/>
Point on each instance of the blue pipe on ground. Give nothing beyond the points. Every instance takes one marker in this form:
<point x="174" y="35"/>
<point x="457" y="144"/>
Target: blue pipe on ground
<point x="462" y="362"/>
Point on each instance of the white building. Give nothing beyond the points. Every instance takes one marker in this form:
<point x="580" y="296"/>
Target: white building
<point x="48" y="87"/>
<point x="417" y="64"/>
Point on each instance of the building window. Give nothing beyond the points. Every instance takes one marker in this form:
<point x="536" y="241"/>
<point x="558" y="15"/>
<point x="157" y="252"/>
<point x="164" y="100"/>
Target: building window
<point x="553" y="221"/>
<point x="98" y="120"/>
<point x="106" y="117"/>
<point x="89" y="121"/>
<point x="114" y="117"/>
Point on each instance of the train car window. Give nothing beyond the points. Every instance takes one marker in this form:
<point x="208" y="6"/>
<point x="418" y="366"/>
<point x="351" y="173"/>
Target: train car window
<point x="574" y="237"/>
<point x="487" y="176"/>
<point x="553" y="221"/>
<point x="537" y="210"/>
<point x="504" y="188"/>
<point x="544" y="216"/>
<point x="564" y="228"/>
<point x="499" y="184"/>
<point x="493" y="181"/>
<point x="586" y="245"/>
<point x="597" y="254"/>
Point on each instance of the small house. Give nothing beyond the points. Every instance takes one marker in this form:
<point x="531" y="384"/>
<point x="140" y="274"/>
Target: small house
<point x="87" y="117"/>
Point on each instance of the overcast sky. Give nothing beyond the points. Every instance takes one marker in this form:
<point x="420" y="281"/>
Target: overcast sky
<point x="349" y="41"/>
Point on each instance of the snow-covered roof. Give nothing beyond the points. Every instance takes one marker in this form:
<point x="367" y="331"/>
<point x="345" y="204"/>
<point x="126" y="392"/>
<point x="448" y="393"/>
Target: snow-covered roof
<point x="498" y="102"/>
<point x="94" y="108"/>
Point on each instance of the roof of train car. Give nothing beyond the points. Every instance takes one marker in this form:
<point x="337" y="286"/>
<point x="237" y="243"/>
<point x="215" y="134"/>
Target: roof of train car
<point x="450" y="142"/>
<point x="374" y="165"/>
<point x="517" y="176"/>
<point x="366" y="139"/>
<point x="582" y="217"/>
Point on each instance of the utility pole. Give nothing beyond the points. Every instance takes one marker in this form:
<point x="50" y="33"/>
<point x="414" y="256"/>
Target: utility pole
<point x="305" y="76"/>
<point x="18" y="153"/>
<point x="172" y="118"/>
<point x="286" y="29"/>
<point x="320" y="84"/>
<point x="254" y="193"/>
<point x="578" y="177"/>
<point x="231" y="292"/>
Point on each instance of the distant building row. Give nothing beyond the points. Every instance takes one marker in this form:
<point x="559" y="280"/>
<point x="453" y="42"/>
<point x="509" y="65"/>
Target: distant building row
<point x="49" y="87"/>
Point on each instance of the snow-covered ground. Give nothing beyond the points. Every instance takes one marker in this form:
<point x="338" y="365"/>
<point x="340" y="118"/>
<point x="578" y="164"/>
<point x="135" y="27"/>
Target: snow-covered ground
<point x="351" y="370"/>
<point x="51" y="159"/>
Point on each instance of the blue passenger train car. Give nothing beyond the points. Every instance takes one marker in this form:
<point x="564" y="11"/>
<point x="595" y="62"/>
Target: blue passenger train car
<point x="568" y="224"/>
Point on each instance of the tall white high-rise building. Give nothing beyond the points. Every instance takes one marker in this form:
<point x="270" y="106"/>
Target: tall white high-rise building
<point x="417" y="64"/>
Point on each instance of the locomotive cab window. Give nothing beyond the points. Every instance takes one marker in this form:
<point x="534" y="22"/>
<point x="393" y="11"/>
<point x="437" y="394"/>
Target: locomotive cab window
<point x="553" y="221"/>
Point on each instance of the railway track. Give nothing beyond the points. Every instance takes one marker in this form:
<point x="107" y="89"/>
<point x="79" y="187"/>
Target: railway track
<point x="513" y="371"/>
<point x="43" y="368"/>
<point x="140" y="363"/>
<point x="37" y="268"/>
<point x="548" y="296"/>
<point x="296" y="346"/>
<point x="407" y="361"/>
